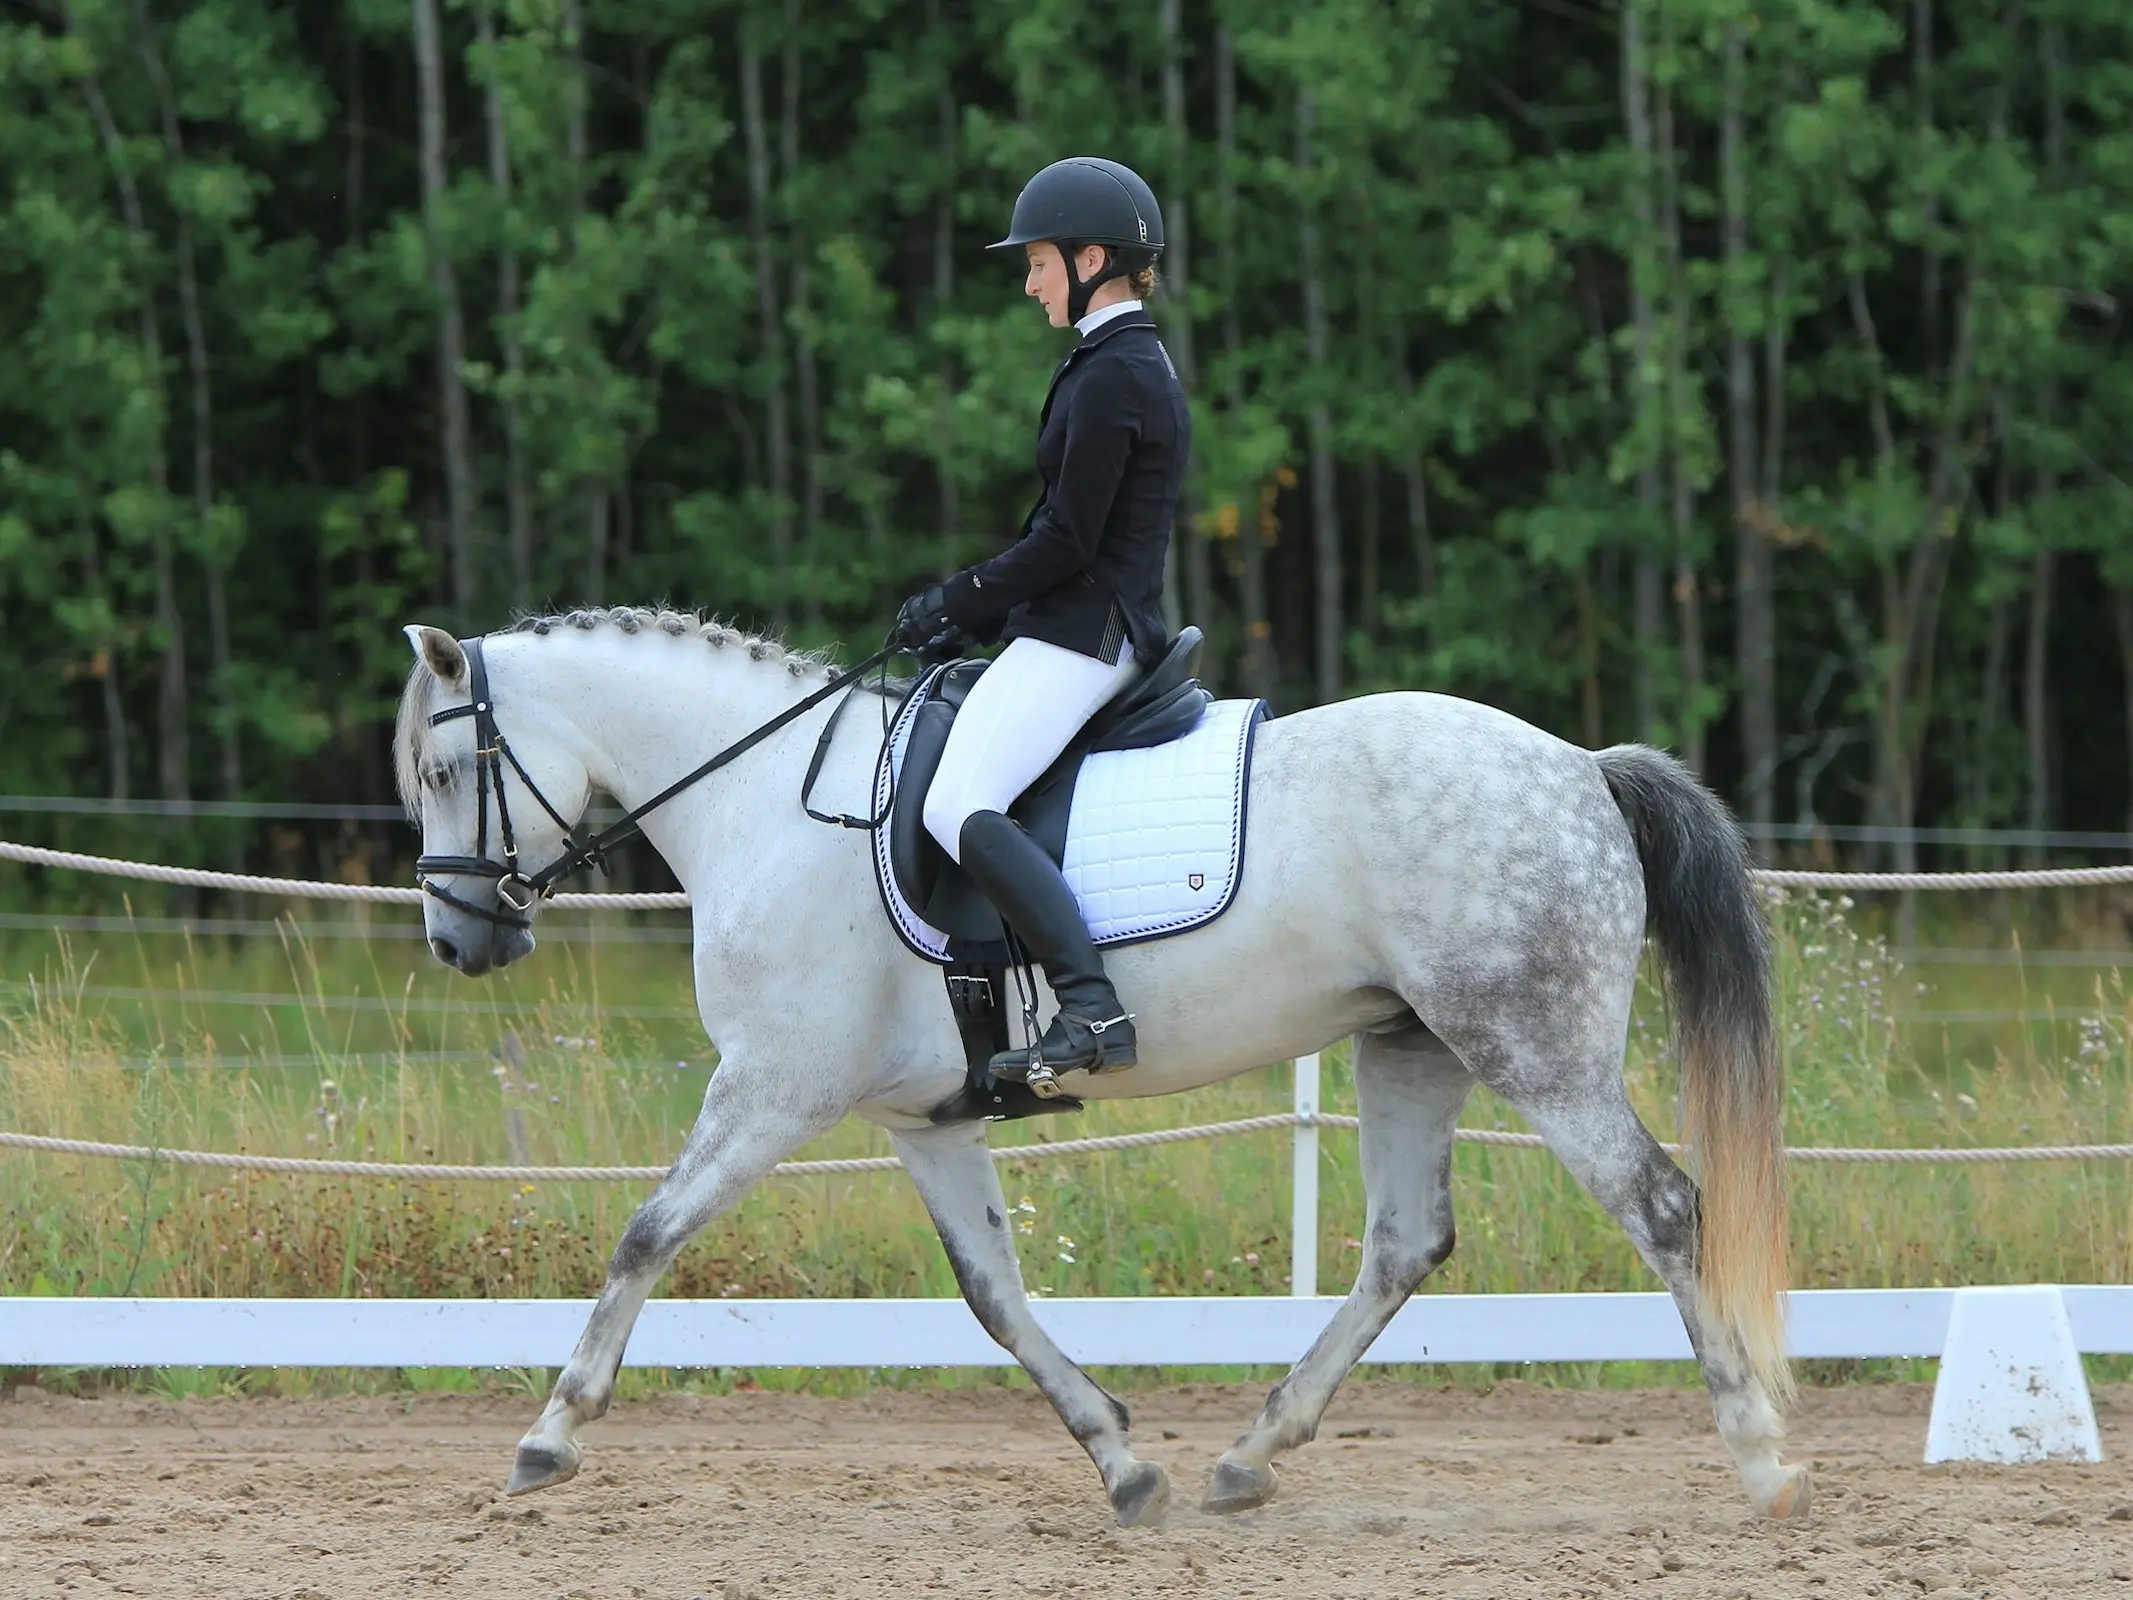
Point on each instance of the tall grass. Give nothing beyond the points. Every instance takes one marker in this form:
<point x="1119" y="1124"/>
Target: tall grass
<point x="604" y="1067"/>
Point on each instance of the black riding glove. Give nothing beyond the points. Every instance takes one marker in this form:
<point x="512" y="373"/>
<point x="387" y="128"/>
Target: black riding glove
<point x="952" y="643"/>
<point x="923" y="618"/>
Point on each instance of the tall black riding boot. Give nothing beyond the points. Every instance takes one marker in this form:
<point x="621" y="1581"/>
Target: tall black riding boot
<point x="1092" y="1029"/>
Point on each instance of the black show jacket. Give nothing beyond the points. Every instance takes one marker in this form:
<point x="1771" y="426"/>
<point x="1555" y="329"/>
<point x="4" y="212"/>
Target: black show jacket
<point x="1112" y="443"/>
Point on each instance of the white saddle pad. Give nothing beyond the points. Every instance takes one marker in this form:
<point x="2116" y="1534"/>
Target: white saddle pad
<point x="1155" y="840"/>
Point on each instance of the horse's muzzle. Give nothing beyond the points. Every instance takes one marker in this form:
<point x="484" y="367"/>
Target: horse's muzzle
<point x="483" y="952"/>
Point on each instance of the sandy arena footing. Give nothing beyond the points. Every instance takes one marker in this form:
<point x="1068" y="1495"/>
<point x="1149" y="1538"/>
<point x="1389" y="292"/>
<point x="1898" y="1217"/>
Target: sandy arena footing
<point x="1408" y="1492"/>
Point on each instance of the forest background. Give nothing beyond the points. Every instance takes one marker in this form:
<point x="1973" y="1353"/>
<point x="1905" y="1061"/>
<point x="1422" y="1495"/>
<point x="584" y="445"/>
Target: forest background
<point x="1747" y="378"/>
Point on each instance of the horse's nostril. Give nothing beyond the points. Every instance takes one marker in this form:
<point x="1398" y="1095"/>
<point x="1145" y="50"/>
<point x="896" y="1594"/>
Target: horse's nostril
<point x="445" y="951"/>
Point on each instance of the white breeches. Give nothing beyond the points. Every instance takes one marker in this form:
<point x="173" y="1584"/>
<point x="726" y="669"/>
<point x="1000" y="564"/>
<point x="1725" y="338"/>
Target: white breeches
<point x="1023" y="711"/>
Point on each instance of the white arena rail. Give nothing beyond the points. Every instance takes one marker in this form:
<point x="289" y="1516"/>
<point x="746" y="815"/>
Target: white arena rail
<point x="1196" y="1331"/>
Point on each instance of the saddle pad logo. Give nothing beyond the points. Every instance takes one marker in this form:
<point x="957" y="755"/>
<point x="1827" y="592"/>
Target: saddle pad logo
<point x="1198" y="880"/>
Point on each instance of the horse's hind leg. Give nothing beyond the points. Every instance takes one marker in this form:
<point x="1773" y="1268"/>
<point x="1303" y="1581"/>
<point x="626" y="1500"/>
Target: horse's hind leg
<point x="1599" y="1137"/>
<point x="961" y="1188"/>
<point x="1409" y="1090"/>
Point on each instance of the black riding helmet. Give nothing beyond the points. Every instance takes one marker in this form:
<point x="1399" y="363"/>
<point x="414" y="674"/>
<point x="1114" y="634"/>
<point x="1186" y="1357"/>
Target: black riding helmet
<point x="1086" y="200"/>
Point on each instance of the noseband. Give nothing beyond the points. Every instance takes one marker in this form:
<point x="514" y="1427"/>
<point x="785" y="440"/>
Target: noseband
<point x="517" y="892"/>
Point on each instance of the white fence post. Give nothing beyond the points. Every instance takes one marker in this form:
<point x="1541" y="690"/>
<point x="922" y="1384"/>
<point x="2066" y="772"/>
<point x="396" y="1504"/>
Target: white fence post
<point x="1303" y="1203"/>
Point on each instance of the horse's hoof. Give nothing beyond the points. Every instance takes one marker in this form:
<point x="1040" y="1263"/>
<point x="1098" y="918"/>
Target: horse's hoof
<point x="1142" y="1496"/>
<point x="1794" y="1496"/>
<point x="1238" y="1487"/>
<point x="541" y="1466"/>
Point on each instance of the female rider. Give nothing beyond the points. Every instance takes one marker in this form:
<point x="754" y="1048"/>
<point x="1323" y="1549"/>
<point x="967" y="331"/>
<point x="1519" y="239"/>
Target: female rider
<point x="1079" y="596"/>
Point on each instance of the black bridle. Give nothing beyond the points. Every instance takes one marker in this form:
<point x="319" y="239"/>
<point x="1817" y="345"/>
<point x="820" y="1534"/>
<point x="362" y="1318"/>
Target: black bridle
<point x="518" y="891"/>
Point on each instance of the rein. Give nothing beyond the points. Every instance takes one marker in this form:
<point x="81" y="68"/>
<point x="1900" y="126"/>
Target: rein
<point x="517" y="891"/>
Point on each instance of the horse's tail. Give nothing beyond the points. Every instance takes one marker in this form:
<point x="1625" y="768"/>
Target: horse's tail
<point x="1715" y="947"/>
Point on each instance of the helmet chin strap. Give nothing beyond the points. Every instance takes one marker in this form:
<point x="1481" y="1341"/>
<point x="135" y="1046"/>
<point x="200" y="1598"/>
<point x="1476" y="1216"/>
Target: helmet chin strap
<point x="1078" y="288"/>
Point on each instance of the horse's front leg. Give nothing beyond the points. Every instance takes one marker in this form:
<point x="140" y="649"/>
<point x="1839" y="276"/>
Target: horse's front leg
<point x="746" y="1127"/>
<point x="961" y="1188"/>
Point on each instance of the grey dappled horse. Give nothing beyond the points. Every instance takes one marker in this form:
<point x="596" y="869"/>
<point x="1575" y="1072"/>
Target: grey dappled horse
<point x="1465" y="894"/>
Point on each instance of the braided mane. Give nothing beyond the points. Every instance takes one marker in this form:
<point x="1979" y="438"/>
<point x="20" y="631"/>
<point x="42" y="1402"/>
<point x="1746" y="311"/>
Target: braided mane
<point x="412" y="726"/>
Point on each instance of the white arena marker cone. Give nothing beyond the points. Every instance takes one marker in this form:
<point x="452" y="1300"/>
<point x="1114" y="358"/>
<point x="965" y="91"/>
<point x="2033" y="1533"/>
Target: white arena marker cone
<point x="2011" y="1388"/>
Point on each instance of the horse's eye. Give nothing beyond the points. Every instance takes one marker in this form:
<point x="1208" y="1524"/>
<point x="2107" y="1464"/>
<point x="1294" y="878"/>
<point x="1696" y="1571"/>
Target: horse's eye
<point x="438" y="777"/>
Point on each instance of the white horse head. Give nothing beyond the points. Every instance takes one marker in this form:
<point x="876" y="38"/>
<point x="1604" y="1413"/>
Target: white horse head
<point x="503" y="808"/>
<point x="615" y="700"/>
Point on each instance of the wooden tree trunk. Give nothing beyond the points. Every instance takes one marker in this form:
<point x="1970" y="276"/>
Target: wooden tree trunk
<point x="1188" y="542"/>
<point x="1755" y="621"/>
<point x="1422" y="540"/>
<point x="1992" y="699"/>
<point x="947" y="119"/>
<point x="1646" y="583"/>
<point x="768" y="325"/>
<point x="2036" y="678"/>
<point x="118" y="736"/>
<point x="1261" y="667"/>
<point x="451" y="326"/>
<point x="1914" y="603"/>
<point x="1914" y="600"/>
<point x="173" y="700"/>
<point x="199" y="369"/>
<point x="2122" y="620"/>
<point x="371" y="754"/>
<point x="1325" y="515"/>
<point x="1881" y="805"/>
<point x="1922" y="86"/>
<point x="1688" y="592"/>
<point x="1776" y="332"/>
<point x="806" y="376"/>
<point x="518" y="501"/>
<point x="1588" y="611"/>
<point x="1370" y="579"/>
<point x="595" y="491"/>
<point x="2036" y="691"/>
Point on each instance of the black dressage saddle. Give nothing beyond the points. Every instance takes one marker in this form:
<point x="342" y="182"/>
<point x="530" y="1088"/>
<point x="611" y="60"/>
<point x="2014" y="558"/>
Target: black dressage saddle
<point x="1164" y="703"/>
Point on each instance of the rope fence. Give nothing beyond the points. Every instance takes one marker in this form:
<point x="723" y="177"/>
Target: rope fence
<point x="1905" y="882"/>
<point x="298" y="888"/>
<point x="31" y="855"/>
<point x="381" y="894"/>
<point x="297" y="1166"/>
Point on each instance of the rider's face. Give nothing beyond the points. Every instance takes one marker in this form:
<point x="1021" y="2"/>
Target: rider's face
<point x="1047" y="281"/>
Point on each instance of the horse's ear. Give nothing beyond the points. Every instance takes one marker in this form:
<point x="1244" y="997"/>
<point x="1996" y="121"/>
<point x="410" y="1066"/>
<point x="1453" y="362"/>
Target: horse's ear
<point x="438" y="651"/>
